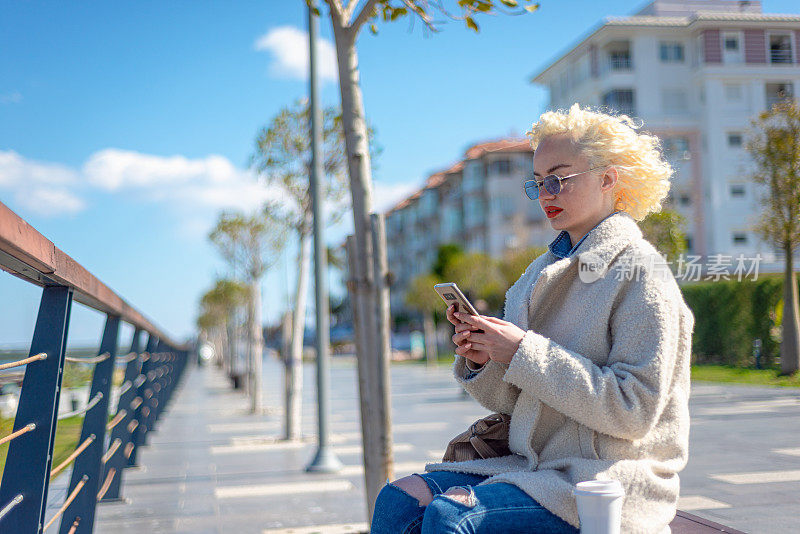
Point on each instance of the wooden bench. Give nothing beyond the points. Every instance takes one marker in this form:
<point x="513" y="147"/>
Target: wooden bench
<point x="686" y="523"/>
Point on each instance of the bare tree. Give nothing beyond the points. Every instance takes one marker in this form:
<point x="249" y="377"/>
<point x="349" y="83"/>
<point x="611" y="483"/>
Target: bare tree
<point x="251" y="244"/>
<point x="218" y="307"/>
<point x="774" y="145"/>
<point x="282" y="159"/>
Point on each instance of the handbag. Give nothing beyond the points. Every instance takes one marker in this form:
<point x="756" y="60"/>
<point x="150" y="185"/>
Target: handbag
<point x="485" y="438"/>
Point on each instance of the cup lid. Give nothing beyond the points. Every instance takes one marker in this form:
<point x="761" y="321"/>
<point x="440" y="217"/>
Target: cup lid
<point x="599" y="487"/>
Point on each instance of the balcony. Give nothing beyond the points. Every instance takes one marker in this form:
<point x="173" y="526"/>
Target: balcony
<point x="620" y="101"/>
<point x="616" y="57"/>
<point x="780" y="49"/>
<point x="780" y="56"/>
<point x="619" y="62"/>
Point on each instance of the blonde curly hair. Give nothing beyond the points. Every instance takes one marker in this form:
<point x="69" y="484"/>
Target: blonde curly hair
<point x="644" y="176"/>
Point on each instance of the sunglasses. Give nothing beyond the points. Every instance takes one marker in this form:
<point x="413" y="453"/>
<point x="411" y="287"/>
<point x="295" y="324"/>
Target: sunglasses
<point x="551" y="183"/>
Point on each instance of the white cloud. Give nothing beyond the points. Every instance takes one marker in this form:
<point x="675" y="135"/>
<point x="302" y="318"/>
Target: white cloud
<point x="289" y="49"/>
<point x="195" y="186"/>
<point x="11" y="98"/>
<point x="42" y="188"/>
<point x="16" y="171"/>
<point x="210" y="182"/>
<point x="112" y="169"/>
<point x="384" y="196"/>
<point x="49" y="202"/>
<point x="195" y="189"/>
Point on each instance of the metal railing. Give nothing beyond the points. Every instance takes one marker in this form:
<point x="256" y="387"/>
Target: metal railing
<point x="99" y="461"/>
<point x="780" y="55"/>
<point x="614" y="63"/>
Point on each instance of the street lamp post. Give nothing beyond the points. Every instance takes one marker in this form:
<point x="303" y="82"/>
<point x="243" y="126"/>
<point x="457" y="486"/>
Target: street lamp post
<point x="325" y="460"/>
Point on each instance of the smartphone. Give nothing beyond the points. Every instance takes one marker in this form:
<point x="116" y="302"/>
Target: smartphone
<point x="452" y="295"/>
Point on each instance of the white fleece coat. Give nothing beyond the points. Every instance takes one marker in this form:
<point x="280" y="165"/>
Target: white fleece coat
<point x="599" y="386"/>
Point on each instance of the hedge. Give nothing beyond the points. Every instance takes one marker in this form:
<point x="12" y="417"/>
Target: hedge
<point x="730" y="314"/>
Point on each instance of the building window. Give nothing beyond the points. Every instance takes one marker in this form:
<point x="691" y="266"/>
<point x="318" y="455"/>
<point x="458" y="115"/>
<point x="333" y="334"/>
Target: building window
<point x="676" y="147"/>
<point x="674" y="101"/>
<point x="685" y="199"/>
<point x="503" y="206"/>
<point x="473" y="176"/>
<point x="620" y="100"/>
<point x="620" y="59"/>
<point x="739" y="238"/>
<point x="500" y="166"/>
<point x="689" y="244"/>
<point x="780" y="48"/>
<point x="671" y="52"/>
<point x="734" y="140"/>
<point x="474" y="212"/>
<point x="737" y="190"/>
<point x="777" y="92"/>
<point x="731" y="48"/>
<point x="733" y="92"/>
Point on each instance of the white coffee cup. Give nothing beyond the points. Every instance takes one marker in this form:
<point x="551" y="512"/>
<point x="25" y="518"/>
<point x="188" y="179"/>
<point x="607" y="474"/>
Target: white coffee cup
<point x="599" y="506"/>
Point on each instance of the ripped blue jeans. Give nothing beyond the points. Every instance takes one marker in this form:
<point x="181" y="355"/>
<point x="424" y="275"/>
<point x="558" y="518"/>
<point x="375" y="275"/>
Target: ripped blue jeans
<point x="497" y="507"/>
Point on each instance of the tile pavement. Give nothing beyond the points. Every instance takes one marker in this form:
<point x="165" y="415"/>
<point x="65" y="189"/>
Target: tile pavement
<point x="211" y="467"/>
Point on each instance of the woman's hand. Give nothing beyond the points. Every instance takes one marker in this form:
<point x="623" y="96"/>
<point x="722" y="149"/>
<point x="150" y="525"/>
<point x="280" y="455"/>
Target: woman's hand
<point x="500" y="339"/>
<point x="463" y="346"/>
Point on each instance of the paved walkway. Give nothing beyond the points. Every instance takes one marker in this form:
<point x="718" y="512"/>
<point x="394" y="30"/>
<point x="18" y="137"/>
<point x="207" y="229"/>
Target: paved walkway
<point x="212" y="468"/>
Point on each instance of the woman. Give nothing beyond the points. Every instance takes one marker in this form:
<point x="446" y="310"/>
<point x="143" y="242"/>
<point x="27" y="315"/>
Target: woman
<point x="591" y="358"/>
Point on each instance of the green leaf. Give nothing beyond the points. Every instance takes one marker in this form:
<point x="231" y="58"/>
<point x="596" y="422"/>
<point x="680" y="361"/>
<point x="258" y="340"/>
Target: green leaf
<point x="471" y="23"/>
<point x="510" y="3"/>
<point x="373" y="29"/>
<point x="398" y="12"/>
<point x="531" y="8"/>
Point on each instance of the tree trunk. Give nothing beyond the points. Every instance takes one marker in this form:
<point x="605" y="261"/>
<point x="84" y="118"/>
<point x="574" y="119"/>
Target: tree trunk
<point x="429" y="331"/>
<point x="231" y="335"/>
<point x="360" y="173"/>
<point x="248" y="348"/>
<point x="295" y="367"/>
<point x="790" y="328"/>
<point x="286" y="351"/>
<point x="382" y="360"/>
<point x="217" y="343"/>
<point x="256" y="346"/>
<point x="365" y="299"/>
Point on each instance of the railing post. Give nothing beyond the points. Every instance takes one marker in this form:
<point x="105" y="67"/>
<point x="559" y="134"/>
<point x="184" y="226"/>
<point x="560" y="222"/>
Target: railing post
<point x="30" y="457"/>
<point x="177" y="360"/>
<point x="94" y="424"/>
<point x="120" y="431"/>
<point x="156" y="386"/>
<point x="139" y="433"/>
<point x="161" y="393"/>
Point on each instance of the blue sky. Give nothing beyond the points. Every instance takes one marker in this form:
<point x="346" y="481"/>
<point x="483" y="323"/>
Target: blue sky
<point x="126" y="126"/>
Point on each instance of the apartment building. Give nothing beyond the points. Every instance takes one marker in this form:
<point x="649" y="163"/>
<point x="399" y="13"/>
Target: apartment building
<point x="696" y="72"/>
<point x="477" y="203"/>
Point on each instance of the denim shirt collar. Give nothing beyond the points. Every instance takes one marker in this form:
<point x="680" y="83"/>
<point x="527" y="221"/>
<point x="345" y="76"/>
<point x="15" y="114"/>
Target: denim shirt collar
<point x="562" y="244"/>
